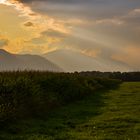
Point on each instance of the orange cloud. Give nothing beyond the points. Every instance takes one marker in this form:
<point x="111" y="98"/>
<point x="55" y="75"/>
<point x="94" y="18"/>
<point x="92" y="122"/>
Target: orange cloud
<point x="129" y="55"/>
<point x="91" y="53"/>
<point x="21" y="17"/>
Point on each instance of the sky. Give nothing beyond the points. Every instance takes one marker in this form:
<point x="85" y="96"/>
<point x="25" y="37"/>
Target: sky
<point x="106" y="29"/>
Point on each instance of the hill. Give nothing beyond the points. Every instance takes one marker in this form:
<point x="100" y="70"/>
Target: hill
<point x="9" y="62"/>
<point x="74" y="61"/>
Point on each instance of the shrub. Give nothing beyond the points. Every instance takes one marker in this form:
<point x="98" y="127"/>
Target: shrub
<point x="31" y="94"/>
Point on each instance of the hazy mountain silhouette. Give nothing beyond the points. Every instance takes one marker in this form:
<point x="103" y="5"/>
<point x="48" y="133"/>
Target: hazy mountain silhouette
<point x="10" y="62"/>
<point x="75" y="61"/>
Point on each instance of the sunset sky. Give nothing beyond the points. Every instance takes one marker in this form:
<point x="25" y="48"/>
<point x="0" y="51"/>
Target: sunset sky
<point x="108" y="29"/>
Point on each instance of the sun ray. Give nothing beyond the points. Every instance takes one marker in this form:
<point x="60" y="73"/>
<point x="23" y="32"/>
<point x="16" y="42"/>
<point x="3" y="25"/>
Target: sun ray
<point x="2" y="1"/>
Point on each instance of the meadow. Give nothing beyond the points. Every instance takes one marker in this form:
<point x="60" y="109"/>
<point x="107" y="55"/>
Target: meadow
<point x="67" y="106"/>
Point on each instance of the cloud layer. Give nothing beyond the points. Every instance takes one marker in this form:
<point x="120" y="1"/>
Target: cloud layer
<point x="107" y="29"/>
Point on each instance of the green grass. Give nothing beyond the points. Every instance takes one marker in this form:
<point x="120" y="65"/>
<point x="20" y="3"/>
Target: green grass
<point x="109" y="115"/>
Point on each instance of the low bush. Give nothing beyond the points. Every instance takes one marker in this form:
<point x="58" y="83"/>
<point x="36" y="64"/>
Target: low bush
<point x="31" y="94"/>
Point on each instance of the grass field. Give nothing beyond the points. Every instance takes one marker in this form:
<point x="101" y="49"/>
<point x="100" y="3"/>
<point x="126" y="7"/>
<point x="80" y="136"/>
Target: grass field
<point x="109" y="115"/>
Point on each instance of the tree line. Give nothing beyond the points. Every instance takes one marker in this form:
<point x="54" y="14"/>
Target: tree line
<point x="124" y="76"/>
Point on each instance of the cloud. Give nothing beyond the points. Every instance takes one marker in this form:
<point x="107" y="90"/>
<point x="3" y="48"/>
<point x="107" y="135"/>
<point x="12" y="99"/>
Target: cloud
<point x="29" y="24"/>
<point x="97" y="28"/>
<point x="112" y="21"/>
<point x="129" y="55"/>
<point x="3" y="43"/>
<point x="48" y="40"/>
<point x="91" y="52"/>
<point x="89" y="9"/>
<point x="54" y="34"/>
<point x="134" y="12"/>
<point x="27" y="27"/>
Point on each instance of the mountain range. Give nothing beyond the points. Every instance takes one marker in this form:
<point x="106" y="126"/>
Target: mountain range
<point x="71" y="61"/>
<point x="58" y="61"/>
<point x="9" y="62"/>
